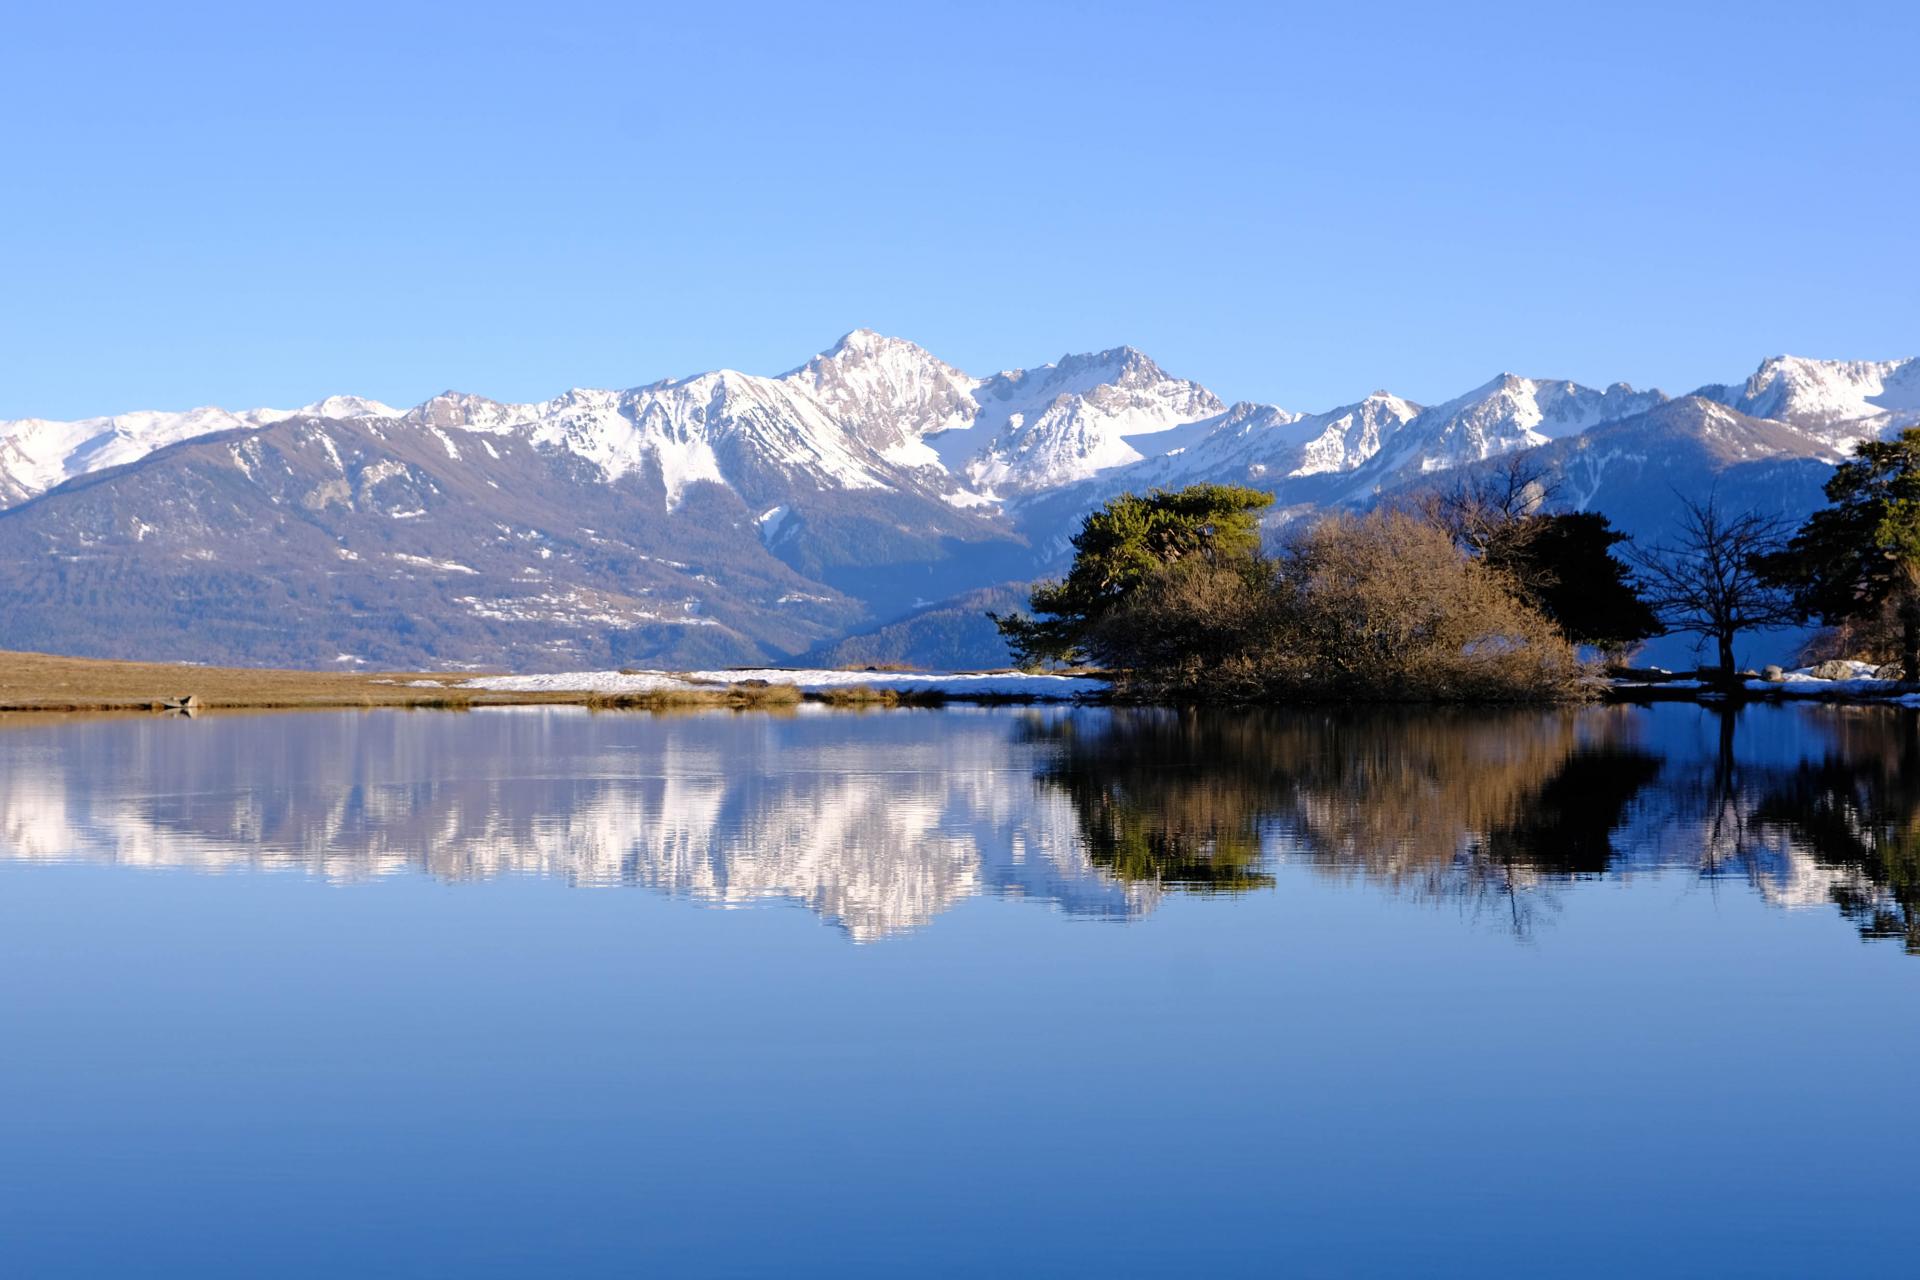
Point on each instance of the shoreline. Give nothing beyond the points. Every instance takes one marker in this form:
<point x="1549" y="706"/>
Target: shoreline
<point x="34" y="684"/>
<point x="49" y="684"/>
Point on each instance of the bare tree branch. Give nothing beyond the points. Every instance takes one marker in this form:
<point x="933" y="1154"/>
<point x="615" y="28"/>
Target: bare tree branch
<point x="1705" y="581"/>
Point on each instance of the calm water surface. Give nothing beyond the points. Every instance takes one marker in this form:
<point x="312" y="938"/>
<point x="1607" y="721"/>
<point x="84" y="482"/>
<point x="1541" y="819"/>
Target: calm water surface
<point x="1054" y="992"/>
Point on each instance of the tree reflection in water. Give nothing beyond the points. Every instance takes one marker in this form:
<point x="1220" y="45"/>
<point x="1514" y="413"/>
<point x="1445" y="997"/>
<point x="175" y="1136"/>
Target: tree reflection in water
<point x="1446" y="803"/>
<point x="1494" y="808"/>
<point x="1856" y="811"/>
<point x="1158" y="800"/>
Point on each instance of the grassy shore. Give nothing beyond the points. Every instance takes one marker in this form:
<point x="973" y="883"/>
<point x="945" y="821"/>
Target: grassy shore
<point x="45" y="683"/>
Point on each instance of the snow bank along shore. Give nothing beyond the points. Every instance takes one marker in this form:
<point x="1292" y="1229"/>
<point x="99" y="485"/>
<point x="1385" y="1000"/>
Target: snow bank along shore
<point x="1859" y="684"/>
<point x="956" y="685"/>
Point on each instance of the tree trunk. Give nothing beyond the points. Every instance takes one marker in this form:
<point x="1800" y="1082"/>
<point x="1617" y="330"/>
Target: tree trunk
<point x="1726" y="656"/>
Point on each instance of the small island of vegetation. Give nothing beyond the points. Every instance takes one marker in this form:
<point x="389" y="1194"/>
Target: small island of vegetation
<point x="1477" y="594"/>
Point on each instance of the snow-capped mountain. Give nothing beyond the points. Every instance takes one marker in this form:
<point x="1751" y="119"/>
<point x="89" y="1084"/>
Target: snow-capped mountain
<point x="1505" y="415"/>
<point x="36" y="454"/>
<point x="730" y="516"/>
<point x="1840" y="401"/>
<point x="469" y="413"/>
<point x="1630" y="469"/>
<point x="725" y="428"/>
<point x="1262" y="445"/>
<point x="1352" y="435"/>
<point x="876" y="412"/>
<point x="1042" y="428"/>
<point x="1351" y="453"/>
<point x="872" y="412"/>
<point x="344" y="408"/>
<point x="889" y="393"/>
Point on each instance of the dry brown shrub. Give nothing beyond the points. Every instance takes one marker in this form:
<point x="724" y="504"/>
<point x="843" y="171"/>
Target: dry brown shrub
<point x="1383" y="607"/>
<point x="1387" y="606"/>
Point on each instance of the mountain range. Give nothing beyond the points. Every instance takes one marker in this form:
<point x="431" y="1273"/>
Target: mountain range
<point x="728" y="517"/>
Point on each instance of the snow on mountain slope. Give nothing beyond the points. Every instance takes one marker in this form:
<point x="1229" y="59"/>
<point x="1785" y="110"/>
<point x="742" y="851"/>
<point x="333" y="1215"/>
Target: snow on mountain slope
<point x="1504" y="415"/>
<point x="1347" y="437"/>
<point x="1362" y="448"/>
<point x="36" y="454"/>
<point x="1383" y="438"/>
<point x="875" y="413"/>
<point x="470" y="413"/>
<point x="872" y="412"/>
<point x="889" y="393"/>
<point x="851" y="418"/>
<point x="1247" y="444"/>
<point x="400" y="544"/>
<point x="1042" y="428"/>
<point x="788" y="509"/>
<point x="1840" y="400"/>
<point x="726" y="427"/>
<point x="1299" y="459"/>
<point x="344" y="408"/>
<point x="1631" y="469"/>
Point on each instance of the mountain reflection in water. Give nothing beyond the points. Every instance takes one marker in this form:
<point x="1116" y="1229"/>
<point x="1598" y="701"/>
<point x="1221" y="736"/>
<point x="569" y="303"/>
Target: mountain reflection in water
<point x="881" y="822"/>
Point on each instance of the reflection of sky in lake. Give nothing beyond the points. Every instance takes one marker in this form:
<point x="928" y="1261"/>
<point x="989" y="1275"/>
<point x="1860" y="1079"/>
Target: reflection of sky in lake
<point x="1409" y="992"/>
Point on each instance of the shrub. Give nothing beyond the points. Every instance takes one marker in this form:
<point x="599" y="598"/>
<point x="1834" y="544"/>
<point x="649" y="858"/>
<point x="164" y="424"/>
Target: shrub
<point x="1376" y="608"/>
<point x="1387" y="607"/>
<point x="1121" y="548"/>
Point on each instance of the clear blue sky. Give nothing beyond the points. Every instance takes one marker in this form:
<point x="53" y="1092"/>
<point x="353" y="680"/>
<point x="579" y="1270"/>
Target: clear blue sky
<point x="263" y="204"/>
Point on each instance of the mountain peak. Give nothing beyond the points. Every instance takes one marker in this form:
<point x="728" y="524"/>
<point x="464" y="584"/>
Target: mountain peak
<point x="468" y="411"/>
<point x="868" y="344"/>
<point x="1820" y="394"/>
<point x="862" y="339"/>
<point x="1083" y="414"/>
<point x="1123" y="358"/>
<point x="1502" y="383"/>
<point x="888" y="392"/>
<point x="348" y="407"/>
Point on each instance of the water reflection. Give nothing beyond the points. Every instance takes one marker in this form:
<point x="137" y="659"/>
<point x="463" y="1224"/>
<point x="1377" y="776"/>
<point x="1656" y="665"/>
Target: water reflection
<point x="1856" y="813"/>
<point x="880" y="823"/>
<point x="1444" y="804"/>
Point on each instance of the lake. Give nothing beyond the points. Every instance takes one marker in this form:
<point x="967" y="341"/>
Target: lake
<point x="1009" y="990"/>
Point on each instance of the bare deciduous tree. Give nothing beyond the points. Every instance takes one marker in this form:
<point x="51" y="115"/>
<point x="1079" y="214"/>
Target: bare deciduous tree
<point x="1705" y="582"/>
<point x="1564" y="563"/>
<point x="1489" y="506"/>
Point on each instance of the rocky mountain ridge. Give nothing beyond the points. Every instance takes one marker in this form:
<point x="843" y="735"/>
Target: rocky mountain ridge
<point x="880" y="412"/>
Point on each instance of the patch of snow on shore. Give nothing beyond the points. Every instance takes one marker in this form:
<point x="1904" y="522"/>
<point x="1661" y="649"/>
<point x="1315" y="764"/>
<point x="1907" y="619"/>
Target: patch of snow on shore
<point x="989" y="684"/>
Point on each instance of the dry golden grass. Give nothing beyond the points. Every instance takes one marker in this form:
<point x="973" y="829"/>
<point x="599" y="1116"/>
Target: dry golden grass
<point x="45" y="682"/>
<point x="42" y="684"/>
<point x="863" y="696"/>
<point x="747" y="695"/>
